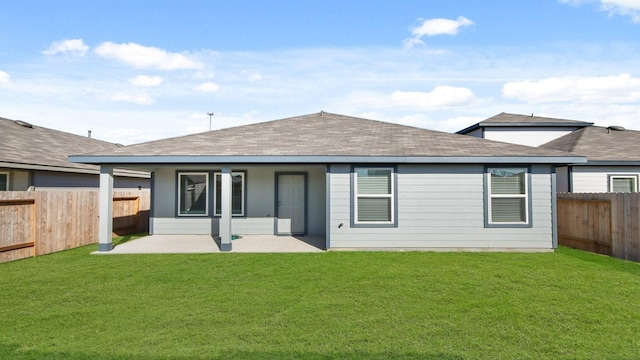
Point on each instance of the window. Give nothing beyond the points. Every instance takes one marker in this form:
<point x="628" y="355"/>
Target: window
<point x="193" y="189"/>
<point x="623" y="183"/>
<point x="508" y="192"/>
<point x="237" y="194"/>
<point x="374" y="201"/>
<point x="4" y="181"/>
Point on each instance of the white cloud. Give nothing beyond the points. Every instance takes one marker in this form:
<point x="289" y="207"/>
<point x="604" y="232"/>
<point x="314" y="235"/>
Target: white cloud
<point x="432" y="27"/>
<point x="72" y="47"/>
<point x="146" y="57"/>
<point x="255" y="77"/>
<point x="440" y="97"/>
<point x="629" y="8"/>
<point x="208" y="87"/>
<point x="4" y="77"/>
<point x="623" y="7"/>
<point x="145" y="81"/>
<point x="140" y="99"/>
<point x="606" y="89"/>
<point x="130" y="135"/>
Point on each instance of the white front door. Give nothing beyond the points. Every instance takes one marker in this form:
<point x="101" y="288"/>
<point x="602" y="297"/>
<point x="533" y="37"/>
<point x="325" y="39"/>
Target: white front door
<point x="291" y="204"/>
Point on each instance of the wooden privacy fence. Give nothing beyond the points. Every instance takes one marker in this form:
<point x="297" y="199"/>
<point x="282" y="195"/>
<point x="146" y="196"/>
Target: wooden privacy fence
<point x="604" y="223"/>
<point x="41" y="222"/>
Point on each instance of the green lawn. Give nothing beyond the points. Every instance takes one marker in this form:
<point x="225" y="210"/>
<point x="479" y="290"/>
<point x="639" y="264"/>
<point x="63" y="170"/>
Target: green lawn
<point x="336" y="305"/>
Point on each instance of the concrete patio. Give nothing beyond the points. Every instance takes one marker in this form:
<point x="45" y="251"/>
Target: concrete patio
<point x="203" y="244"/>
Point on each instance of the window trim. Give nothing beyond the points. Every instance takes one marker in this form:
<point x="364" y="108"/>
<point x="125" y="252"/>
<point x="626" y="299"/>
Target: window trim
<point x="488" y="223"/>
<point x="243" y="173"/>
<point x="393" y="196"/>
<point x="178" y="193"/>
<point x="8" y="184"/>
<point x="610" y="177"/>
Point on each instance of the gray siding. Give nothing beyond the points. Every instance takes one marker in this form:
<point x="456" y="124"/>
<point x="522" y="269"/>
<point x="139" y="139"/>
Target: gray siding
<point x="594" y="179"/>
<point x="562" y="179"/>
<point x="260" y="201"/>
<point x="18" y="179"/>
<point x="53" y="180"/>
<point x="440" y="206"/>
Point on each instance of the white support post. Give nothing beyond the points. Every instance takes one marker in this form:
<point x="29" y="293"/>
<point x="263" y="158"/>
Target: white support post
<point x="225" y="211"/>
<point x="105" y="229"/>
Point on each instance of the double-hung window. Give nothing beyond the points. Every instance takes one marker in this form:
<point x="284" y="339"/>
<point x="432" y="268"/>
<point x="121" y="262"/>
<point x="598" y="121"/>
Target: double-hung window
<point x="623" y="183"/>
<point x="193" y="190"/>
<point x="4" y="181"/>
<point x="237" y="194"/>
<point x="374" y="202"/>
<point x="508" y="200"/>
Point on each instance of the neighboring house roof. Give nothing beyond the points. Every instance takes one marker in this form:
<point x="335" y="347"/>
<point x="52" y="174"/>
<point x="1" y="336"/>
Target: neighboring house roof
<point x="323" y="138"/>
<point x="515" y="120"/>
<point x="601" y="145"/>
<point x="28" y="146"/>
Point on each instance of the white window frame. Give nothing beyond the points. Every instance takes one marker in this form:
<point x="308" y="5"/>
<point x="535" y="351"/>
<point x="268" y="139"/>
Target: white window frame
<point x="525" y="196"/>
<point x="206" y="206"/>
<point x="390" y="196"/>
<point x="215" y="192"/>
<point x="614" y="176"/>
<point x="8" y="186"/>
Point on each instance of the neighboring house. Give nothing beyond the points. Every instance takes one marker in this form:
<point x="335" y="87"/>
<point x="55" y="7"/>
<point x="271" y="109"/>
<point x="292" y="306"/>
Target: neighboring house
<point x="523" y="129"/>
<point x="35" y="158"/>
<point x="613" y="153"/>
<point x="613" y="156"/>
<point x="358" y="183"/>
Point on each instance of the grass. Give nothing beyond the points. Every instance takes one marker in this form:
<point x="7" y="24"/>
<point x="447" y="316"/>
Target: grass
<point x="336" y="305"/>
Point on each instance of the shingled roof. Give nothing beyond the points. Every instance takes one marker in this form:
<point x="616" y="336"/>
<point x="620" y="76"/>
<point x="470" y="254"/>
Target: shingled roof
<point x="515" y="120"/>
<point x="29" y="146"/>
<point x="319" y="137"/>
<point x="601" y="145"/>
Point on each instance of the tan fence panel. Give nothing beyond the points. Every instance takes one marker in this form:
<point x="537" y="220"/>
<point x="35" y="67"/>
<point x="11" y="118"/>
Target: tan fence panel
<point x="604" y="223"/>
<point x="42" y="222"/>
<point x="17" y="225"/>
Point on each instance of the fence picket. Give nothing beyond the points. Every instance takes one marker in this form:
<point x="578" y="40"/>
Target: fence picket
<point x="606" y="223"/>
<point x="51" y="221"/>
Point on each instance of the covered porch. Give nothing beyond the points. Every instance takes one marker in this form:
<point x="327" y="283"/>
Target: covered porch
<point x="263" y="203"/>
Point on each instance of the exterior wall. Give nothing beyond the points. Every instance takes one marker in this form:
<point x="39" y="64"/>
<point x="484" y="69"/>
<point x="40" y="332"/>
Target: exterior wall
<point x="18" y="179"/>
<point x="526" y="135"/>
<point x="477" y="133"/>
<point x="595" y="179"/>
<point x="440" y="206"/>
<point x="52" y="180"/>
<point x="260" y="203"/>
<point x="562" y="179"/>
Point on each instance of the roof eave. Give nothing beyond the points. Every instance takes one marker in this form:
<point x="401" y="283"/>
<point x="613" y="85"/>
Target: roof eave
<point x="612" y="163"/>
<point x="324" y="159"/>
<point x="536" y="124"/>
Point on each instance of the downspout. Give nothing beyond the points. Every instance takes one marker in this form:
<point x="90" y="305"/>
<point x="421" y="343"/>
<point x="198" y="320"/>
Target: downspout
<point x="554" y="209"/>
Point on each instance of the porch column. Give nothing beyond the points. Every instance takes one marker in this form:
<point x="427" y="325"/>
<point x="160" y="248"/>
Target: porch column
<point x="105" y="228"/>
<point x="225" y="210"/>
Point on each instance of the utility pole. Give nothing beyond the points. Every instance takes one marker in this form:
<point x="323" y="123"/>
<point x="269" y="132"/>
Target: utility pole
<point x="210" y="115"/>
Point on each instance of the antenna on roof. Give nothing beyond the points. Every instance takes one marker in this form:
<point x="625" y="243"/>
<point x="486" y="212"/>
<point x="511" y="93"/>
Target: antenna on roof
<point x="210" y="115"/>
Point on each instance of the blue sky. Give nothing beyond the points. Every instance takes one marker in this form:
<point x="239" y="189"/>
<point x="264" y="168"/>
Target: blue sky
<point x="134" y="71"/>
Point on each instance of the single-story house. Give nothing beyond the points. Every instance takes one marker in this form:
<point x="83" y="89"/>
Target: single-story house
<point x="613" y="160"/>
<point x="613" y="153"/>
<point x="359" y="183"/>
<point x="35" y="158"/>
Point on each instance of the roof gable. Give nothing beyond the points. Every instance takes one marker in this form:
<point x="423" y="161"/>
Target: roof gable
<point x="600" y="144"/>
<point x="515" y="120"/>
<point x="317" y="135"/>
